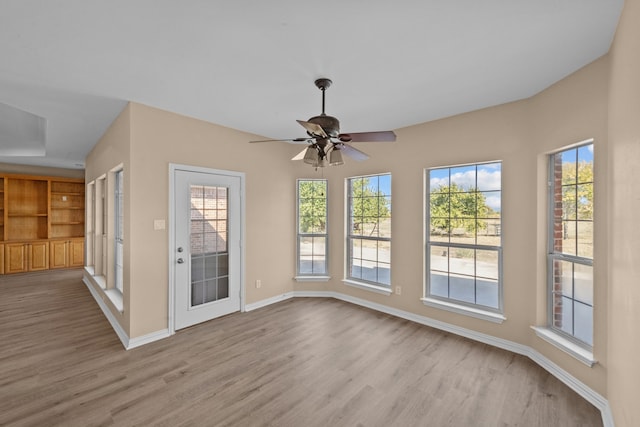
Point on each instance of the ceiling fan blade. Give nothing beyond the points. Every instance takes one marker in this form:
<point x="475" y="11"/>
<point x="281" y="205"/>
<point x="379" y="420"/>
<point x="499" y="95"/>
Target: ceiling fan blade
<point x="300" y="155"/>
<point x="283" y="140"/>
<point x="382" y="136"/>
<point x="354" y="153"/>
<point x="313" y="129"/>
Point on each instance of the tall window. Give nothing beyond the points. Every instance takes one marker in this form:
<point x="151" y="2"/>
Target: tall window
<point x="464" y="242"/>
<point x="312" y="228"/>
<point x="119" y="229"/>
<point x="369" y="229"/>
<point x="100" y="227"/>
<point x="90" y="221"/>
<point x="571" y="243"/>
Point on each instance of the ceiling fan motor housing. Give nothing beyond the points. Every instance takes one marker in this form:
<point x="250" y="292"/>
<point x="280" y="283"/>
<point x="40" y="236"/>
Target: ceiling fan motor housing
<point x="329" y="124"/>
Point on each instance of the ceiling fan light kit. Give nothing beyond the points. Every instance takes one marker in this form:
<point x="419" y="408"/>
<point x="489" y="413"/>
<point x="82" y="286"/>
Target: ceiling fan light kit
<point x="327" y="143"/>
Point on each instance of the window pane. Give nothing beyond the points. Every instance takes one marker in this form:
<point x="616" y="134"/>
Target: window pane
<point x="488" y="292"/>
<point x="462" y="261"/>
<point x="462" y="288"/>
<point x="438" y="179"/>
<point x="439" y="259"/>
<point x="197" y="293"/>
<point x="569" y="238"/>
<point x="583" y="329"/>
<point x="584" y="196"/>
<point x="583" y="283"/>
<point x="197" y="269"/>
<point x="487" y="264"/>
<point x="210" y="290"/>
<point x="460" y="234"/>
<point x="463" y="178"/>
<point x="489" y="204"/>
<point x="490" y="177"/>
<point x="439" y="230"/>
<point x="585" y="239"/>
<point x="488" y="232"/>
<point x="384" y="185"/>
<point x="569" y="170"/>
<point x="223" y="288"/>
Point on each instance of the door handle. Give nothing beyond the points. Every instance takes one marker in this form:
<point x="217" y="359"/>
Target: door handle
<point x="180" y="261"/>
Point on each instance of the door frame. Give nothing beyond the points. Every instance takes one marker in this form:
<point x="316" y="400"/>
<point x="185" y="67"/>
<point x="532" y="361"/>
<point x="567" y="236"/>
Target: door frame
<point x="173" y="167"/>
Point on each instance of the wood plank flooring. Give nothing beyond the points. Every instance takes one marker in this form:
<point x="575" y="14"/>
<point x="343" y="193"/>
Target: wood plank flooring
<point x="302" y="362"/>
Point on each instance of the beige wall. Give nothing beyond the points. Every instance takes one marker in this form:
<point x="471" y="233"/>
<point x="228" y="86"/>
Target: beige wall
<point x="159" y="138"/>
<point x="624" y="274"/>
<point x="112" y="150"/>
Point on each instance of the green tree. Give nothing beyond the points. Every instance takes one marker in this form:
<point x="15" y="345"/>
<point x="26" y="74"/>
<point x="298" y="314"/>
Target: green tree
<point x="452" y="206"/>
<point x="577" y="190"/>
<point x="369" y="206"/>
<point x="312" y="208"/>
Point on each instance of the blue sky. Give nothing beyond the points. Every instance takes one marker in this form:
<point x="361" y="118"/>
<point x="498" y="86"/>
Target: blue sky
<point x="486" y="177"/>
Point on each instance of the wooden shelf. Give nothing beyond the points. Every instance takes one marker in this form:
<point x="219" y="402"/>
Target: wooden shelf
<point x="26" y="214"/>
<point x="42" y="209"/>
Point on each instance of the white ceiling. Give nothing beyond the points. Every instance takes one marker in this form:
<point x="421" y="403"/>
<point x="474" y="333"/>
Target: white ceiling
<point x="250" y="65"/>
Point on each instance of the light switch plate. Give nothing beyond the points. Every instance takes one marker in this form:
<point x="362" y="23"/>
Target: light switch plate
<point x="159" y="224"/>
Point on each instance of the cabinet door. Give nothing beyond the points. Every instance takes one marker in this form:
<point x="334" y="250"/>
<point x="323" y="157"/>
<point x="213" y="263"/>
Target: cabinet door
<point x="1" y="259"/>
<point x="39" y="256"/>
<point x="59" y="250"/>
<point x="76" y="252"/>
<point x="15" y="258"/>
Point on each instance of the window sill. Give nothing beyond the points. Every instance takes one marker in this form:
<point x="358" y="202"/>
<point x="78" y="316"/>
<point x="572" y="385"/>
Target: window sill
<point x="464" y="310"/>
<point x="312" y="278"/>
<point x="101" y="281"/>
<point x="367" y="287"/>
<point x="115" y="296"/>
<point x="571" y="348"/>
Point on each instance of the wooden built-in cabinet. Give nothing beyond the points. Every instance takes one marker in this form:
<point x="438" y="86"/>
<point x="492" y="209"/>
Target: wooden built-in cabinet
<point x="41" y="223"/>
<point x="66" y="253"/>
<point x="23" y="257"/>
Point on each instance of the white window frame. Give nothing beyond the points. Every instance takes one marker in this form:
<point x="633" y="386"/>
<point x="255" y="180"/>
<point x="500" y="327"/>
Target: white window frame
<point x="323" y="274"/>
<point x="480" y="311"/>
<point x="118" y="235"/>
<point x="370" y="285"/>
<point x="90" y="225"/>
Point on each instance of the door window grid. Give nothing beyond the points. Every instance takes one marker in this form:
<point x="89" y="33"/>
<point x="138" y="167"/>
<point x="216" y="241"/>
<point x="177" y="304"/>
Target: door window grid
<point x="209" y="250"/>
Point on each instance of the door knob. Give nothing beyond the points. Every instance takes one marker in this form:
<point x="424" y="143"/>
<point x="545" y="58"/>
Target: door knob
<point x="180" y="261"/>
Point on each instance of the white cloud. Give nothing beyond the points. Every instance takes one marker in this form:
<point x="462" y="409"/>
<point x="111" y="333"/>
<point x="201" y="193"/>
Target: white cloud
<point x="488" y="179"/>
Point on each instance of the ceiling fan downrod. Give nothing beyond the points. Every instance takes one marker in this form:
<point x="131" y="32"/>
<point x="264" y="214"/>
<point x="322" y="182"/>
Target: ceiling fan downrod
<point x="323" y="84"/>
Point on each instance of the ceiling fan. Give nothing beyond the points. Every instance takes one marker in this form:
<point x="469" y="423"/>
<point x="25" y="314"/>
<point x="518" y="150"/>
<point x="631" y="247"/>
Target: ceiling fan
<point x="326" y="143"/>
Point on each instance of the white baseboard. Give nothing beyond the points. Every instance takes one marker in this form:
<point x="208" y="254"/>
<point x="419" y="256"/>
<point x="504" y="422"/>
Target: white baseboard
<point x="148" y="338"/>
<point x="569" y="380"/>
<point x="268" y="301"/>
<point x="127" y="342"/>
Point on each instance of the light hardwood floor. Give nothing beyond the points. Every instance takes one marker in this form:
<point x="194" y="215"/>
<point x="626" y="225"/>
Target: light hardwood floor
<point x="302" y="362"/>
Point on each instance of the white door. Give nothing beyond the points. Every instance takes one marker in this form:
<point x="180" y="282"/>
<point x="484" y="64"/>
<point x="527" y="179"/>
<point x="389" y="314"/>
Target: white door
<point x="207" y="281"/>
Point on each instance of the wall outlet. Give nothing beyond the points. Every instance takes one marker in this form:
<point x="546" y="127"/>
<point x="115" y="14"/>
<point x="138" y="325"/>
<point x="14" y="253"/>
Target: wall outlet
<point x="258" y="283"/>
<point x="398" y="290"/>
